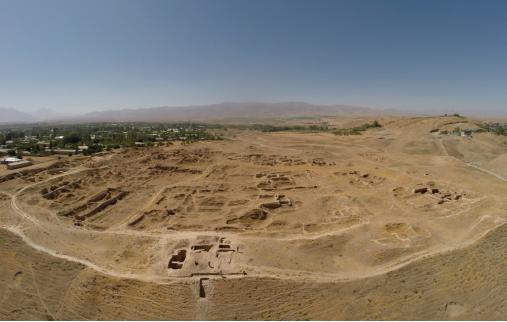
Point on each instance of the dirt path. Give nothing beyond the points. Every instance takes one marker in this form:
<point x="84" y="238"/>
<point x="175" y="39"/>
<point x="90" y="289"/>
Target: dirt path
<point x="496" y="175"/>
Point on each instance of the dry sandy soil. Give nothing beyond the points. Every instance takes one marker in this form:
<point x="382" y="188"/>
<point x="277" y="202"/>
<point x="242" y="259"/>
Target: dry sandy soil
<point x="397" y="223"/>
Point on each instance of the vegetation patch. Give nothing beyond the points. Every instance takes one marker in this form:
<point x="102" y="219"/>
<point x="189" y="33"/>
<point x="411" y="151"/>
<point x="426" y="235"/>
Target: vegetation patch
<point x="39" y="139"/>
<point x="358" y="129"/>
<point x="495" y="128"/>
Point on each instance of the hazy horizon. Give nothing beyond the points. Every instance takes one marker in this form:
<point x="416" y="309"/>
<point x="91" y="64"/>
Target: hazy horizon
<point x="416" y="56"/>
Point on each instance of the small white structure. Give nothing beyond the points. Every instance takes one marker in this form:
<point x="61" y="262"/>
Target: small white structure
<point x="9" y="160"/>
<point x="466" y="133"/>
<point x="19" y="164"/>
<point x="63" y="151"/>
<point x="43" y="143"/>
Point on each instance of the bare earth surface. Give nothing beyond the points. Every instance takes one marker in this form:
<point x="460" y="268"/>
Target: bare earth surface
<point x="397" y="223"/>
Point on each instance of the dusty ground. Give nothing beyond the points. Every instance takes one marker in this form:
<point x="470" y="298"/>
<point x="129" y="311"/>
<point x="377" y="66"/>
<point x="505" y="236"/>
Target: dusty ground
<point x="397" y="223"/>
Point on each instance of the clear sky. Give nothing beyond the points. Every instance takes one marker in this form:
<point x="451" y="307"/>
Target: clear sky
<point x="79" y="56"/>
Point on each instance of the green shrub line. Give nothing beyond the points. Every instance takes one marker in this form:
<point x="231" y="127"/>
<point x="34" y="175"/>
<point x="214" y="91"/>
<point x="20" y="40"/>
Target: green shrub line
<point x="39" y="139"/>
<point x="358" y="129"/>
<point x="495" y="128"/>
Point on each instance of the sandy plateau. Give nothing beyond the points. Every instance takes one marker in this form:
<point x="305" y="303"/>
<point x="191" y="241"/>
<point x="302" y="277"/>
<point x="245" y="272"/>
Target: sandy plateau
<point x="396" y="223"/>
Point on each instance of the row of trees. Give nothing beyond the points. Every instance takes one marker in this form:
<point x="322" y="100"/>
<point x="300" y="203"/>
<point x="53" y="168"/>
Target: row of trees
<point x="495" y="128"/>
<point x="358" y="129"/>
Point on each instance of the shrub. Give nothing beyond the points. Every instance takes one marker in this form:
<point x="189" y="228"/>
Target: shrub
<point x="92" y="149"/>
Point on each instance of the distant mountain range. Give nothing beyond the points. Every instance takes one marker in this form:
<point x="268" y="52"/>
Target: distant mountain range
<point x="213" y="112"/>
<point x="224" y="111"/>
<point x="11" y="115"/>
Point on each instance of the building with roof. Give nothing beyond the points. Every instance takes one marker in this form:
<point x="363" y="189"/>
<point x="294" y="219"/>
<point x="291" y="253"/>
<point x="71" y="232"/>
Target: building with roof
<point x="19" y="164"/>
<point x="9" y="160"/>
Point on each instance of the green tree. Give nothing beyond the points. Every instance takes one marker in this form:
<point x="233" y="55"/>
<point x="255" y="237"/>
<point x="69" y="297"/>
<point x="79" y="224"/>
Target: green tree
<point x="72" y="138"/>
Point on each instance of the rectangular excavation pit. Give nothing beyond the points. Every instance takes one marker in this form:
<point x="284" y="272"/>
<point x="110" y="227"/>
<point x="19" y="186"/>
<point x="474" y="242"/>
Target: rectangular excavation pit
<point x="219" y="274"/>
<point x="136" y="220"/>
<point x="103" y="205"/>
<point x="202" y="283"/>
<point x="54" y="191"/>
<point x="219" y="251"/>
<point x="225" y="250"/>
<point x="205" y="248"/>
<point x="101" y="195"/>
<point x="177" y="260"/>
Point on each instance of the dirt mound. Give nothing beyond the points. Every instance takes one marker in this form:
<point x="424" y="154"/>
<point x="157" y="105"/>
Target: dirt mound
<point x="283" y="225"/>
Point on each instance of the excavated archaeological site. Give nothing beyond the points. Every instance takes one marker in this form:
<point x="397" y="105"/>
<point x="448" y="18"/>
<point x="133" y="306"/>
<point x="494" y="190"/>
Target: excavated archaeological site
<point x="401" y="222"/>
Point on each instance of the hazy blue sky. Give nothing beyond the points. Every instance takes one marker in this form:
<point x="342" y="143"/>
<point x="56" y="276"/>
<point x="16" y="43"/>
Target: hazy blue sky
<point x="92" y="55"/>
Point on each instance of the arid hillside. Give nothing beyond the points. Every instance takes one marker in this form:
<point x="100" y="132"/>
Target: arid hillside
<point x="404" y="221"/>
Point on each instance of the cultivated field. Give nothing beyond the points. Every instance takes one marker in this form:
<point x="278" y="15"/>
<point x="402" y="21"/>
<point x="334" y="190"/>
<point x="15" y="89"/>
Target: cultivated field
<point x="400" y="222"/>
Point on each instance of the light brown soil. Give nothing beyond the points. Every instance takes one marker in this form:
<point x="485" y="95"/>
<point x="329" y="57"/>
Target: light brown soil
<point x="397" y="223"/>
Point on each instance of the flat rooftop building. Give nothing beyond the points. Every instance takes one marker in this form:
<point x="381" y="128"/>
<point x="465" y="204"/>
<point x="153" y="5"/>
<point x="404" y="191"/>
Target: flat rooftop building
<point x="62" y="151"/>
<point x="10" y="160"/>
<point x="19" y="164"/>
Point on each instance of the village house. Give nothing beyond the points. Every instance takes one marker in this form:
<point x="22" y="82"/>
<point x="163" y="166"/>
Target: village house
<point x="9" y="160"/>
<point x="466" y="133"/>
<point x="19" y="164"/>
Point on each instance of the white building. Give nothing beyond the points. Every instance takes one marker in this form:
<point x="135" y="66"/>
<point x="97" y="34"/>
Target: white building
<point x="19" y="164"/>
<point x="10" y="160"/>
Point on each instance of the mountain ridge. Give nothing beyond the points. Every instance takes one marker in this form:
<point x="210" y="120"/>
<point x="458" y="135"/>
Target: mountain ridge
<point x="228" y="110"/>
<point x="212" y="112"/>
